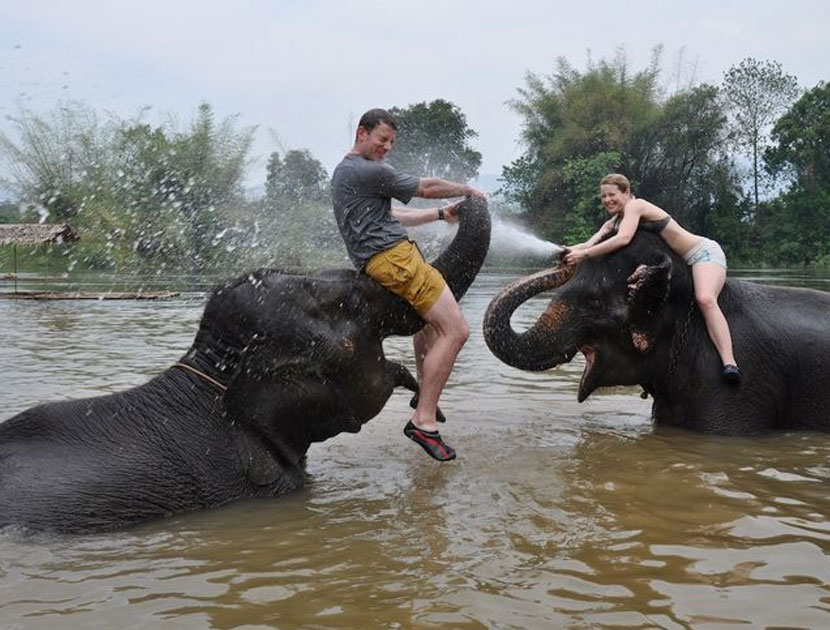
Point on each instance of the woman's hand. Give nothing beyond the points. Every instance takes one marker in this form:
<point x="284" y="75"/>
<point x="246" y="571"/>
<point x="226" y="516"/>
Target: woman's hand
<point x="574" y="256"/>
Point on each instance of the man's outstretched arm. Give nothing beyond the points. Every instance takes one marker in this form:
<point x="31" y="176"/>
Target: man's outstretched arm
<point x="411" y="217"/>
<point x="434" y="188"/>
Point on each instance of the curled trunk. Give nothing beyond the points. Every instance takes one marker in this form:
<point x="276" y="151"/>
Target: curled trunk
<point x="531" y="349"/>
<point x="462" y="260"/>
<point x="459" y="264"/>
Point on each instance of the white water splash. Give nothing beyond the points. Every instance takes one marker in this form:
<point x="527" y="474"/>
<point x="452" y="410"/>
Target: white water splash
<point x="510" y="240"/>
<point x="507" y="241"/>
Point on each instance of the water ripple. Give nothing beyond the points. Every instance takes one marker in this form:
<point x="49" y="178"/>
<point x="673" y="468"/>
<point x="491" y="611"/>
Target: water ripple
<point x="556" y="514"/>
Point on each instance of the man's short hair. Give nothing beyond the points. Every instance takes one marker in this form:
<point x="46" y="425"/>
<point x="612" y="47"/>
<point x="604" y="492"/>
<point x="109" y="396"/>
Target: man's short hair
<point x="375" y="117"/>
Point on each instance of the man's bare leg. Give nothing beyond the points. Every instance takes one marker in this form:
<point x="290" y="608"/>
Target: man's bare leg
<point x="436" y="348"/>
<point x="421" y="342"/>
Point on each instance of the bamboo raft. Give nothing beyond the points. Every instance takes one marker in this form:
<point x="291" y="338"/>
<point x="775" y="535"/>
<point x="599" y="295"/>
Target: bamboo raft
<point x="87" y="295"/>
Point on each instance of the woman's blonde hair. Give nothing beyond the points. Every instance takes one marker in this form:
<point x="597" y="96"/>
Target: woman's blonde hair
<point x="615" y="179"/>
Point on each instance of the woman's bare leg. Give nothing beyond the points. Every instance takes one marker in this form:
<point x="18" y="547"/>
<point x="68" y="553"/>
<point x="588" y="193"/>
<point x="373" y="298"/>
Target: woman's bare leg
<point x="709" y="279"/>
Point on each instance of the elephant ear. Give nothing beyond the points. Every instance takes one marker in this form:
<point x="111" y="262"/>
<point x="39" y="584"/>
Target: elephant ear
<point x="647" y="289"/>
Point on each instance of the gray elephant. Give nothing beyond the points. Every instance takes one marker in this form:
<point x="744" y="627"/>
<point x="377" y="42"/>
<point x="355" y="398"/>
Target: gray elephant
<point x="279" y="361"/>
<point x="632" y="314"/>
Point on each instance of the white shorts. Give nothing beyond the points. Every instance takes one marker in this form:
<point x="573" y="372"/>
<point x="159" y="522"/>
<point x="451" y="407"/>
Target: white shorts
<point x="706" y="251"/>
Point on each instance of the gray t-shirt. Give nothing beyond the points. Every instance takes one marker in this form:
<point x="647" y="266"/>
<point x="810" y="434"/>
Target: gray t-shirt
<point x="362" y="192"/>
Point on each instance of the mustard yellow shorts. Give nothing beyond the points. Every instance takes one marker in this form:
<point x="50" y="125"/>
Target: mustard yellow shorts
<point x="403" y="270"/>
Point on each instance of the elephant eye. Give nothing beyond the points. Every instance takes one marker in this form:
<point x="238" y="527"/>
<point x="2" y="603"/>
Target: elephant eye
<point x="596" y="302"/>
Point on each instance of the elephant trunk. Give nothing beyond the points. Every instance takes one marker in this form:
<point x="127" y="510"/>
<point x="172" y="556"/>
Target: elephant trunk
<point x="529" y="350"/>
<point x="459" y="264"/>
<point x="462" y="260"/>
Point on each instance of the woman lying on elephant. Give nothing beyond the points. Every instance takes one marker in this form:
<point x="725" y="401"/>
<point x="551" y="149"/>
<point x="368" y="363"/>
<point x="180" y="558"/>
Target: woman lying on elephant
<point x="704" y="256"/>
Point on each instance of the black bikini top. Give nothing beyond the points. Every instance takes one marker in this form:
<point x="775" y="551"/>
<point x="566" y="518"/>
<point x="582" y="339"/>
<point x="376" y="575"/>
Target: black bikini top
<point x="656" y="226"/>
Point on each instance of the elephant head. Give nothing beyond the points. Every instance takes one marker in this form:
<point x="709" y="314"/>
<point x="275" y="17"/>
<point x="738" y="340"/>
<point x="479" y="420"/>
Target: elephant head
<point x="615" y="309"/>
<point x="302" y="354"/>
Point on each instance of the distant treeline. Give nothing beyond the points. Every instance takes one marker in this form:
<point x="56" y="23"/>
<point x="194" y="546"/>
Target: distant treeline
<point x="746" y="163"/>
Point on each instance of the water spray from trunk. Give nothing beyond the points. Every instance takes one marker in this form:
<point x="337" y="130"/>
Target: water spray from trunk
<point x="509" y="240"/>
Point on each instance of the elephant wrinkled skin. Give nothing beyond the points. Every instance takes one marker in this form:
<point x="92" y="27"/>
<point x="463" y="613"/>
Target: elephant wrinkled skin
<point x="289" y="360"/>
<point x="633" y="315"/>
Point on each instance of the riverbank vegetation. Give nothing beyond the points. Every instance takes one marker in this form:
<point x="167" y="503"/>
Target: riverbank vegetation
<point x="744" y="162"/>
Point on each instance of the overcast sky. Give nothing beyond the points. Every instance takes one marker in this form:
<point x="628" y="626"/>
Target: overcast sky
<point x="303" y="71"/>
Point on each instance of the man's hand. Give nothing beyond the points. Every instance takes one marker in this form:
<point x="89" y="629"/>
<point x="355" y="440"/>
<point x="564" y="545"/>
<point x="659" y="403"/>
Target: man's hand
<point x="475" y="193"/>
<point x="451" y="212"/>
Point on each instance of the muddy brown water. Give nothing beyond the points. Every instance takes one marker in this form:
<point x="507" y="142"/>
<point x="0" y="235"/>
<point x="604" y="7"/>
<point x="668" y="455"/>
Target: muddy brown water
<point x="555" y="515"/>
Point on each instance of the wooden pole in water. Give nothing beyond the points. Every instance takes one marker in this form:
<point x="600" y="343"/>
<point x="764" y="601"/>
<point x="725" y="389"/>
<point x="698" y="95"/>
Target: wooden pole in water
<point x="14" y="248"/>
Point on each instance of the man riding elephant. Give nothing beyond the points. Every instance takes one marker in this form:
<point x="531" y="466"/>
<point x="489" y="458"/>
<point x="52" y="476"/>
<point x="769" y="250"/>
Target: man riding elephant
<point x="279" y="361"/>
<point x="362" y="190"/>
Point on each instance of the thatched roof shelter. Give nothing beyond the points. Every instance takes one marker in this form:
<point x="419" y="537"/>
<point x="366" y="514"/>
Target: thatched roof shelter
<point x="36" y="233"/>
<point x="56" y="233"/>
<point x="15" y="234"/>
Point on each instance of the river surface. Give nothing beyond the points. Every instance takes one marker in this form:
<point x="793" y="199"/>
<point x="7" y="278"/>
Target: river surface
<point x="555" y="515"/>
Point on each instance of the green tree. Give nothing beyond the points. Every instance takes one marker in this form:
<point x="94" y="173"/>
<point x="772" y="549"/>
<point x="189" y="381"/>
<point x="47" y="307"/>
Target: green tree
<point x="296" y="220"/>
<point x="177" y="189"/>
<point x="756" y="92"/>
<point x="801" y="147"/>
<point x="159" y="194"/>
<point x="801" y="140"/>
<point x="680" y="153"/>
<point x="433" y="141"/>
<point x="295" y="179"/>
<point x="722" y="210"/>
<point x="211" y="160"/>
<point x="580" y="176"/>
<point x="576" y="124"/>
<point x="55" y="158"/>
<point x="520" y="182"/>
<point x="9" y="212"/>
<point x="147" y="185"/>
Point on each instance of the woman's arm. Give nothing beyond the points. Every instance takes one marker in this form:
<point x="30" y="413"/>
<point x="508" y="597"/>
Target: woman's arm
<point x="625" y="232"/>
<point x="606" y="227"/>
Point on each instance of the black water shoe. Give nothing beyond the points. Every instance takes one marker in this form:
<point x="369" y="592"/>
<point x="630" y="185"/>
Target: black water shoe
<point x="430" y="441"/>
<point x="731" y="374"/>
